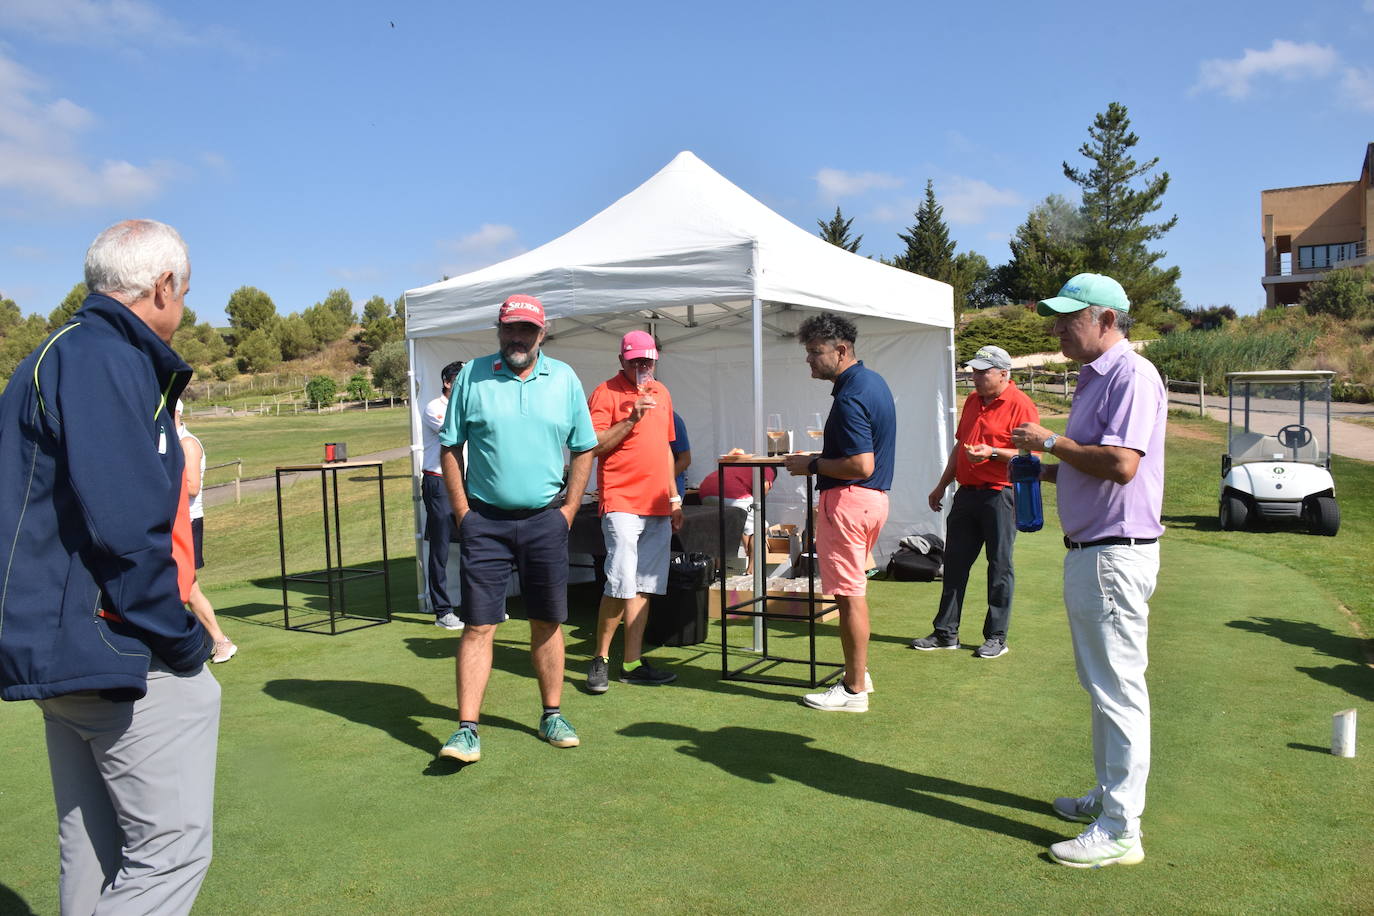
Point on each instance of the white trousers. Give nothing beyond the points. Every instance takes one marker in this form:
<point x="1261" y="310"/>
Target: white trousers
<point x="1107" y="592"/>
<point x="135" y="785"/>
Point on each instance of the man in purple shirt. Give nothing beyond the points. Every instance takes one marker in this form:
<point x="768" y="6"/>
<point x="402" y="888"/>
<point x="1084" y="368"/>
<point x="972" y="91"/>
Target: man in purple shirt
<point x="1110" y="479"/>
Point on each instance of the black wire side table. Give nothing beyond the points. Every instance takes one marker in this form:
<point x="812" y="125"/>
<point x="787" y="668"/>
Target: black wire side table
<point x="335" y="576"/>
<point x="758" y="608"/>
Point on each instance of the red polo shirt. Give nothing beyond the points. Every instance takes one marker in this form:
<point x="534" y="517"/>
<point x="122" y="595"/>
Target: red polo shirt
<point x="992" y="424"/>
<point x="636" y="477"/>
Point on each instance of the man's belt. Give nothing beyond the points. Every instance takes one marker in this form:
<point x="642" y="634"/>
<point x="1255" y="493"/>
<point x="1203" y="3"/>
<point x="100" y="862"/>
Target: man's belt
<point x="433" y="474"/>
<point x="1108" y="542"/>
<point x="983" y="486"/>
<point x="487" y="510"/>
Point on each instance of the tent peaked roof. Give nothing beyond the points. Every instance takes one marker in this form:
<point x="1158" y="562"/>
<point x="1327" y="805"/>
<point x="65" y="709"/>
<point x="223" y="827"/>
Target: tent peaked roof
<point x="687" y="236"/>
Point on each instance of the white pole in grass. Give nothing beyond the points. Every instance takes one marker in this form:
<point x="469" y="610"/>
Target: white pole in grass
<point x="1343" y="733"/>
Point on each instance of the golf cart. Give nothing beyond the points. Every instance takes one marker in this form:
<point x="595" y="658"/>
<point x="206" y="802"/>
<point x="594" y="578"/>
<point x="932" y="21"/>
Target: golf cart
<point x="1275" y="466"/>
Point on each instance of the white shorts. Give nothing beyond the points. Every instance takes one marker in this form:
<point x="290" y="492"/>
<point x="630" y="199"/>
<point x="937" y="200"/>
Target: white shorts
<point x="636" y="553"/>
<point x="744" y="502"/>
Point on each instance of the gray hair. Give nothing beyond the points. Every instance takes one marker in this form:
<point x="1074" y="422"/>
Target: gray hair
<point x="1124" y="320"/>
<point x="126" y="259"/>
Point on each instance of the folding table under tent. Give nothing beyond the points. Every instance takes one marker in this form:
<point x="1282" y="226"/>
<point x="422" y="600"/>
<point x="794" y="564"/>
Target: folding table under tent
<point x="724" y="282"/>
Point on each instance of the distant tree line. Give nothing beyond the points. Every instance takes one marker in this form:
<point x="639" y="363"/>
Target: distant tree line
<point x="257" y="339"/>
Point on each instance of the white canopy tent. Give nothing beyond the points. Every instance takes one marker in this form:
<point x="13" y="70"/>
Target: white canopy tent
<point x="724" y="282"/>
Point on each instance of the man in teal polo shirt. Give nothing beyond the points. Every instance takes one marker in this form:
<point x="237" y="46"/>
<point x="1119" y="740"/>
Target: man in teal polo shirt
<point x="516" y="410"/>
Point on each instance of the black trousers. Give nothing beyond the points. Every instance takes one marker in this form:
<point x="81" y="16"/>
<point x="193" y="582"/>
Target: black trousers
<point x="439" y="529"/>
<point x="978" y="519"/>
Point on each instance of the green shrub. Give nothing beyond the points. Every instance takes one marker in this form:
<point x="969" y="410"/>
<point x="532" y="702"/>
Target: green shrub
<point x="359" y="389"/>
<point x="1015" y="328"/>
<point x="320" y="391"/>
<point x="1209" y="355"/>
<point x="225" y="371"/>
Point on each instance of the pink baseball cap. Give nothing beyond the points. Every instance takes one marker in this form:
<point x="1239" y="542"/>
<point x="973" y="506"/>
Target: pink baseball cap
<point x="522" y="308"/>
<point x="638" y="345"/>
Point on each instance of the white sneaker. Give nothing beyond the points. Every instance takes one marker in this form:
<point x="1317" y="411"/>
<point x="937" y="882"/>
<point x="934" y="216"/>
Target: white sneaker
<point x="449" y="621"/>
<point x="868" y="682"/>
<point x="1096" y="848"/>
<point x="224" y="650"/>
<point x="837" y="699"/>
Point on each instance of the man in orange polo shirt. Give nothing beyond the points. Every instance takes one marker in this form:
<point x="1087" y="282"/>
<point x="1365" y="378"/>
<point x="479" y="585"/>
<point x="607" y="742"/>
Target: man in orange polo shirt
<point x="632" y="414"/>
<point x="983" y="513"/>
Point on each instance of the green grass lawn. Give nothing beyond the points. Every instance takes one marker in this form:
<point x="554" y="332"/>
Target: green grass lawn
<point x="267" y="442"/>
<point x="723" y="797"/>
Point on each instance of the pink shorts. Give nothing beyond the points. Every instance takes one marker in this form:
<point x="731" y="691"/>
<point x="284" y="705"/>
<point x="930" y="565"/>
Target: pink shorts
<point x="848" y="520"/>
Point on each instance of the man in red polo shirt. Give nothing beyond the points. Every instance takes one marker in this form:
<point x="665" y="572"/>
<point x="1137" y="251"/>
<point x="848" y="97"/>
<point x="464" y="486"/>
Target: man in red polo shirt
<point x="983" y="513"/>
<point x="632" y="414"/>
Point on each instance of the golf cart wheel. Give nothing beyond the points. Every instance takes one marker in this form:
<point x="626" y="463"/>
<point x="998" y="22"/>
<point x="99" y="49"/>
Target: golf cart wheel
<point x="1323" y="516"/>
<point x="1234" y="513"/>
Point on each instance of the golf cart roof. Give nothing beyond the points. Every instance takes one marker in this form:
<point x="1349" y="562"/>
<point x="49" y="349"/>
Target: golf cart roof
<point x="1281" y="376"/>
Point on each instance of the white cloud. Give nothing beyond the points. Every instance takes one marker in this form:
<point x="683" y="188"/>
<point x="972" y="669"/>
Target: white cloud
<point x="40" y="158"/>
<point x="489" y="236"/>
<point x="1358" y="83"/>
<point x="491" y="242"/>
<point x="838" y="183"/>
<point x="968" y="200"/>
<point x="1287" y="60"/>
<point x="92" y="20"/>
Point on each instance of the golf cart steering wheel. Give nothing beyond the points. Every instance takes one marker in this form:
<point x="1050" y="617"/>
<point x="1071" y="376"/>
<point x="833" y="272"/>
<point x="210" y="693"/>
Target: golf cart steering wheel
<point x="1294" y="436"/>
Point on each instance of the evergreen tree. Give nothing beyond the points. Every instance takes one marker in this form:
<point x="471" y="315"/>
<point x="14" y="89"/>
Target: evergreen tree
<point x="341" y="304"/>
<point x="1045" y="252"/>
<point x="929" y="250"/>
<point x="10" y="314"/>
<point x="68" y="307"/>
<point x="249" y="309"/>
<point x="836" y="232"/>
<point x="1115" y="232"/>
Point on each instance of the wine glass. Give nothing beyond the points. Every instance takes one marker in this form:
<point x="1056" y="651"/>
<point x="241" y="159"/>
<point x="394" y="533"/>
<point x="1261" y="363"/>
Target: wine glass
<point x="775" y="433"/>
<point x="815" y="428"/>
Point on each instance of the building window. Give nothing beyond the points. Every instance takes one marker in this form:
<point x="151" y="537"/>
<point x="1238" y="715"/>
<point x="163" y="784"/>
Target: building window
<point x="1311" y="257"/>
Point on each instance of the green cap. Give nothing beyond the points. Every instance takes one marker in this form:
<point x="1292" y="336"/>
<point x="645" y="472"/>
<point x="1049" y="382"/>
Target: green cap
<point x="1085" y="290"/>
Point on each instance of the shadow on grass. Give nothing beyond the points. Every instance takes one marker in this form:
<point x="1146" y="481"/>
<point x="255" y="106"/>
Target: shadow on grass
<point x="1354" y="678"/>
<point x="1193" y="522"/>
<point x="11" y="904"/>
<point x="767" y="756"/>
<point x="390" y="708"/>
<point x="1309" y="747"/>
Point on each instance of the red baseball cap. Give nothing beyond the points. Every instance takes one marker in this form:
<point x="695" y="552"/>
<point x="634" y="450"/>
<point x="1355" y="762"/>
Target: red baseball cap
<point x="638" y="345"/>
<point x="522" y="308"/>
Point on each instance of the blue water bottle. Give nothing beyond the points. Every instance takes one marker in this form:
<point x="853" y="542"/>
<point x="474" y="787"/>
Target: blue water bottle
<point x="1025" y="484"/>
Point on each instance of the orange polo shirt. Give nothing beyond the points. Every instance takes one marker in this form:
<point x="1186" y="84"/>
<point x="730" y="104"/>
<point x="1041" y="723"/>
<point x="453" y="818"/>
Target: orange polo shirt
<point x="992" y="424"/>
<point x="638" y="476"/>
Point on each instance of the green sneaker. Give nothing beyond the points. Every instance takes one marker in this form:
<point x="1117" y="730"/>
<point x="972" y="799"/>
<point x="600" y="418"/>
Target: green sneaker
<point x="558" y="731"/>
<point x="463" y="745"/>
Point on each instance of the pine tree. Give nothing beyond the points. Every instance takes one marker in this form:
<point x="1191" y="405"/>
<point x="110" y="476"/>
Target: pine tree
<point x="1046" y="250"/>
<point x="1115" y="232"/>
<point x="929" y="251"/>
<point x="836" y="232"/>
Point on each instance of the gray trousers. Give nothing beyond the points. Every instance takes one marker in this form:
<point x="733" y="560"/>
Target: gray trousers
<point x="134" y="784"/>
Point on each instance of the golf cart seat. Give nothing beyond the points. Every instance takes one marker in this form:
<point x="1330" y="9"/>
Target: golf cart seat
<point x="1251" y="447"/>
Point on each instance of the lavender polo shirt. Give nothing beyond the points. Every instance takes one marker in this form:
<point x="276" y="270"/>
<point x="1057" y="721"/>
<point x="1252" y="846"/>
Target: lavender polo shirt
<point x="1120" y="401"/>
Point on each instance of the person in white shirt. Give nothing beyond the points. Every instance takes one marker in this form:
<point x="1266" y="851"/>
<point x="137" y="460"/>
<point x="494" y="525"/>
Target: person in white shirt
<point x="195" y="482"/>
<point x="439" y="523"/>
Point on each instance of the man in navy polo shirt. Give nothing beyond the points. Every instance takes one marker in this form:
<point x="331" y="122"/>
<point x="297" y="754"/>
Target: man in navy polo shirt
<point x="516" y="410"/>
<point x="853" y="473"/>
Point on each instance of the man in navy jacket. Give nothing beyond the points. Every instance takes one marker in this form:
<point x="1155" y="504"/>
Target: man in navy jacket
<point x="92" y="624"/>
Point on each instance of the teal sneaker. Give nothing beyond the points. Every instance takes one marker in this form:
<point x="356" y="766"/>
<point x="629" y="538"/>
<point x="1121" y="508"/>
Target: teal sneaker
<point x="463" y="745"/>
<point x="558" y="731"/>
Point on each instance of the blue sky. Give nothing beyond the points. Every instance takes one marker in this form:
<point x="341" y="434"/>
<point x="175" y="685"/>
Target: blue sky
<point x="304" y="146"/>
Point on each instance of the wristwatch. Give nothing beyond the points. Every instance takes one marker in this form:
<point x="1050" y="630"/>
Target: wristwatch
<point x="1050" y="440"/>
<point x="813" y="466"/>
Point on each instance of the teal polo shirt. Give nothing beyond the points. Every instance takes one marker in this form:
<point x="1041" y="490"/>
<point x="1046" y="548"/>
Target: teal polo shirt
<point x="516" y="429"/>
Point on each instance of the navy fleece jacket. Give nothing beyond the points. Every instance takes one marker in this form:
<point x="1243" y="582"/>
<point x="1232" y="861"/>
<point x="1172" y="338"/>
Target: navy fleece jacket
<point x="90" y="478"/>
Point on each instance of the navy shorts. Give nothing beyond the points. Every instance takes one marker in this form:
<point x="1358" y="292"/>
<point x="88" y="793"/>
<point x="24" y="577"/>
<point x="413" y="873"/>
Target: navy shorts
<point x="198" y="539"/>
<point x="494" y="544"/>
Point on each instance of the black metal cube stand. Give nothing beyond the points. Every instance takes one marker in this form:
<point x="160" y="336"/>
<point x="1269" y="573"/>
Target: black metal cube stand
<point x="335" y="575"/>
<point x="757" y="607"/>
